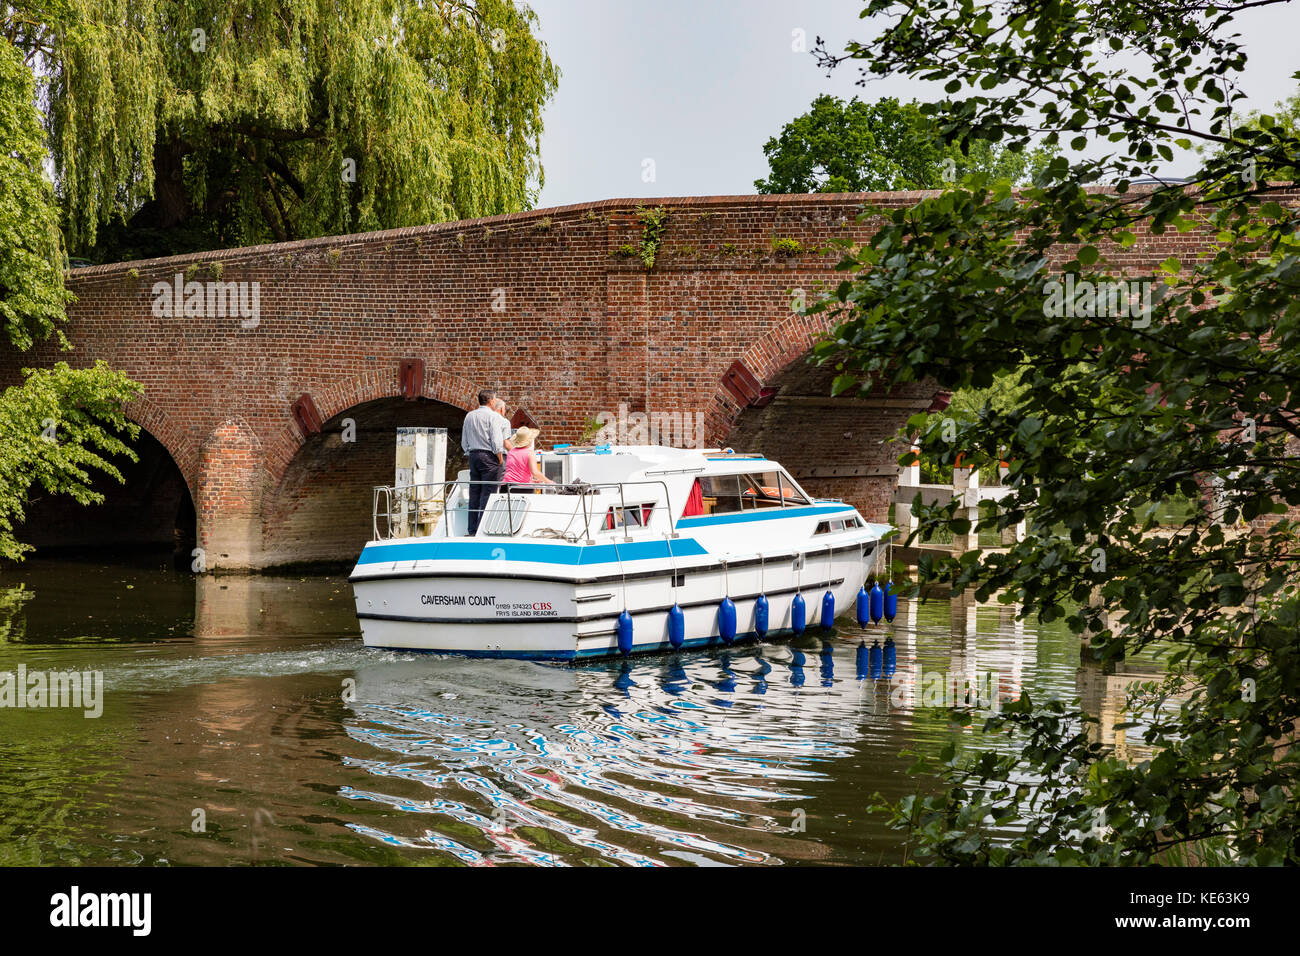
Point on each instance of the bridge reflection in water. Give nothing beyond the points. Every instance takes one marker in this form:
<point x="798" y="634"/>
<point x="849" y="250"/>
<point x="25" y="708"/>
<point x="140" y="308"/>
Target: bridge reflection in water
<point x="260" y="709"/>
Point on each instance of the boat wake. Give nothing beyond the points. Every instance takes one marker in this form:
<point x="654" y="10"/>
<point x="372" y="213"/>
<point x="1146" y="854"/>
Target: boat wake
<point x="701" y="758"/>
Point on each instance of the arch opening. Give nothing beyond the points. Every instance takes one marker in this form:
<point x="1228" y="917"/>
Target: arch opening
<point x="151" y="512"/>
<point x="319" y="513"/>
<point x="837" y="447"/>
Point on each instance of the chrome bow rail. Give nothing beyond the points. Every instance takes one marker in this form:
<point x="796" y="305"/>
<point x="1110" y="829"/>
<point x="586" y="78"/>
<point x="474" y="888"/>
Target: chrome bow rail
<point x="413" y="511"/>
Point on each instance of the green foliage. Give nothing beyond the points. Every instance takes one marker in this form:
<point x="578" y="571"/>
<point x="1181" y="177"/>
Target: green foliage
<point x="965" y="408"/>
<point x="13" y="623"/>
<point x="81" y="410"/>
<point x="166" y="140"/>
<point x="787" y="247"/>
<point x="57" y="427"/>
<point x="865" y="147"/>
<point x="652" y="231"/>
<point x="1114" y="412"/>
<point x="1285" y="119"/>
<point x="591" y="429"/>
<point x="32" y="296"/>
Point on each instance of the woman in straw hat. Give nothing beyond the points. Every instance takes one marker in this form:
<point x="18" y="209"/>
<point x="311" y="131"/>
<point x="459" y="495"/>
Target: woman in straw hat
<point x="521" y="461"/>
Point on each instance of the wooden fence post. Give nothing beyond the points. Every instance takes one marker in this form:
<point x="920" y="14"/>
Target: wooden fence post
<point x="904" y="520"/>
<point x="966" y="490"/>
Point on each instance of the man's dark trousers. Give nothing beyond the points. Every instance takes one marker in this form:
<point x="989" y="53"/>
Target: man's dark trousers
<point x="483" y="466"/>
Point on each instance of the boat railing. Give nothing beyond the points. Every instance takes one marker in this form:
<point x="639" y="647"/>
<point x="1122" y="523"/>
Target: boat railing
<point x="414" y="511"/>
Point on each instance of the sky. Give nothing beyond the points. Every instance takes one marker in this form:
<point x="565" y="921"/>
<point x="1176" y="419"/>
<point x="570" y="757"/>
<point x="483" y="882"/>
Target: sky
<point x="696" y="87"/>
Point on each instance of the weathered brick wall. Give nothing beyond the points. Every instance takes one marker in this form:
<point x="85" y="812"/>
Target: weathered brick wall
<point x="541" y="305"/>
<point x="544" y="305"/>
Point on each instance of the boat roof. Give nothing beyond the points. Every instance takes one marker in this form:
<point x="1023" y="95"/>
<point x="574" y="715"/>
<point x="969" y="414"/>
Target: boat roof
<point x="666" y="459"/>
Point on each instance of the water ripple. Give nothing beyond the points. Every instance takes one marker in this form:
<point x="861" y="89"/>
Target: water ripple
<point x="302" y="746"/>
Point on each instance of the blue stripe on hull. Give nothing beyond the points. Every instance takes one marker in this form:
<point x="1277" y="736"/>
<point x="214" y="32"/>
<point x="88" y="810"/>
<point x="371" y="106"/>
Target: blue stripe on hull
<point x="767" y="514"/>
<point x="507" y="550"/>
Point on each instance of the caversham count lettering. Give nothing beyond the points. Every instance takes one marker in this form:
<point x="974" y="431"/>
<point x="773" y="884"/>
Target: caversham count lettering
<point x="473" y="600"/>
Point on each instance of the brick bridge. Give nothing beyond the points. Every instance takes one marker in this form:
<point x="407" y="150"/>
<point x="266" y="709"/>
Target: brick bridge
<point x="243" y="447"/>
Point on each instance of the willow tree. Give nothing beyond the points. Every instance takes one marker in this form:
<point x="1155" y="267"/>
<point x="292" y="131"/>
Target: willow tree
<point x="174" y="125"/>
<point x="188" y="124"/>
<point x="59" y="425"/>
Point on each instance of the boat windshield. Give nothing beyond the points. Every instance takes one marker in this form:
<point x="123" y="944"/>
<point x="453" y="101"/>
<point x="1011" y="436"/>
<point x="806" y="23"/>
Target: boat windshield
<point x="749" y="491"/>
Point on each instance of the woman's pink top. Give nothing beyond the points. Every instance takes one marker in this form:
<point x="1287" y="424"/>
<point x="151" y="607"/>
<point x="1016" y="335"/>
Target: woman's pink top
<point x="519" y="466"/>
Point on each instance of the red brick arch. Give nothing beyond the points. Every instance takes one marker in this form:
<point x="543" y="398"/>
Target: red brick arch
<point x="774" y="352"/>
<point x="346" y="393"/>
<point x="182" y="447"/>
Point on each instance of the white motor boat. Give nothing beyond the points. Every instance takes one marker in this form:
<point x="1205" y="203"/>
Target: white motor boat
<point x="632" y="549"/>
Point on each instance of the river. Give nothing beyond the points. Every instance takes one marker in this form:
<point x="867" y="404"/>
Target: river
<point x="244" y="723"/>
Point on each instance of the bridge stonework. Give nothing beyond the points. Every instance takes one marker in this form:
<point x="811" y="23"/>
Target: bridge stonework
<point x="554" y="308"/>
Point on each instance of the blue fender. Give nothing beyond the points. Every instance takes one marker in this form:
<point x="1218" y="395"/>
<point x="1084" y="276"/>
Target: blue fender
<point x="624" y="629"/>
<point x="727" y="620"/>
<point x="676" y="626"/>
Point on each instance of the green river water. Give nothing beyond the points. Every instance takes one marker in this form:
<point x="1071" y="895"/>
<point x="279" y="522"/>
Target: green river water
<point x="244" y="723"/>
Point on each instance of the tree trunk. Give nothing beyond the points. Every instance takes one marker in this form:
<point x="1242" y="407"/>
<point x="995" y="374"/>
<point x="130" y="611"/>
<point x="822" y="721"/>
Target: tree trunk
<point x="171" y="205"/>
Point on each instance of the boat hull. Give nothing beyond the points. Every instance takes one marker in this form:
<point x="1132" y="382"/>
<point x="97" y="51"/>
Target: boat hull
<point x="517" y="613"/>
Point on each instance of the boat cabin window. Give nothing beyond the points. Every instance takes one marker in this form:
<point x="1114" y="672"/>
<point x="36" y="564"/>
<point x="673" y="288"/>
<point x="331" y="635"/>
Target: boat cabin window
<point x="553" y="468"/>
<point x="632" y="516"/>
<point x="721" y="494"/>
<point x="838" y="524"/>
<point x="761" y="490"/>
<point x="747" y="492"/>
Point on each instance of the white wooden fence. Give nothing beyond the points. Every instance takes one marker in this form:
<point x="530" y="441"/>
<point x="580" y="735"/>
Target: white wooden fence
<point x="966" y="489"/>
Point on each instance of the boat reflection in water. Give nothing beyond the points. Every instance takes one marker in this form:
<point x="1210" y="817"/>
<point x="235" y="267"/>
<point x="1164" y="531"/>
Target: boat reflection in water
<point x="747" y="755"/>
<point x="252" y="700"/>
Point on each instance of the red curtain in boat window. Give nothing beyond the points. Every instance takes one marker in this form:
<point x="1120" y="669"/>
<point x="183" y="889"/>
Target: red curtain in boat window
<point x="695" y="503"/>
<point x="609" y="520"/>
<point x="645" y="514"/>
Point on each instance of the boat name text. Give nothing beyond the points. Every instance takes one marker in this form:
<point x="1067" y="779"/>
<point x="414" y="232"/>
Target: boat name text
<point x="473" y="600"/>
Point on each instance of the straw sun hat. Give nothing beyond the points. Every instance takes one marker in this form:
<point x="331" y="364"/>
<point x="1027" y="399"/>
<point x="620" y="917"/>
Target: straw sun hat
<point x="524" y="436"/>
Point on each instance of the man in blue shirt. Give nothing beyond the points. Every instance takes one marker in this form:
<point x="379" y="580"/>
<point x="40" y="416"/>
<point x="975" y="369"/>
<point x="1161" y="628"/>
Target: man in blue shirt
<point x="483" y="437"/>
